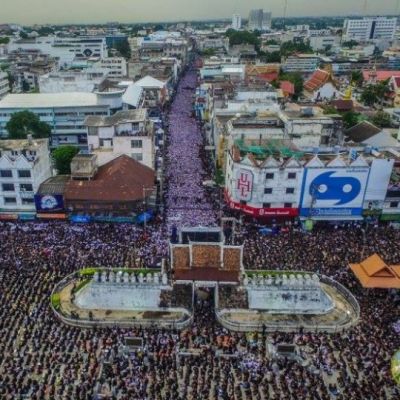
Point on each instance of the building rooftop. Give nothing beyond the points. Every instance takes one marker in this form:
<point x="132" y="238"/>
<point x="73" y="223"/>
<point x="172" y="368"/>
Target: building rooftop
<point x="120" y="180"/>
<point x="118" y="118"/>
<point x="362" y="131"/>
<point x="49" y="100"/>
<point x="54" y="185"/>
<point x="22" y="144"/>
<point x="150" y="82"/>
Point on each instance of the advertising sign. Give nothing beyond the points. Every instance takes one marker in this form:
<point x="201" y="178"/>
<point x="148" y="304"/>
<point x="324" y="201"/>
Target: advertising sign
<point x="330" y="192"/>
<point x="49" y="203"/>
<point x="244" y="184"/>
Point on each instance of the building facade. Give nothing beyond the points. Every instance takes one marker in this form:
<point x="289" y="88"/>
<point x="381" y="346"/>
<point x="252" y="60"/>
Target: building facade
<point x="259" y="20"/>
<point x="126" y="132"/>
<point x="64" y="112"/>
<point x="24" y="165"/>
<point x="236" y="22"/>
<point x="4" y="85"/>
<point x="368" y="29"/>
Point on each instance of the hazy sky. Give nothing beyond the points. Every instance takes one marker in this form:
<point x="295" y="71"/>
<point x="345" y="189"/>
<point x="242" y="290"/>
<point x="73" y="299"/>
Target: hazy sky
<point x="81" y="11"/>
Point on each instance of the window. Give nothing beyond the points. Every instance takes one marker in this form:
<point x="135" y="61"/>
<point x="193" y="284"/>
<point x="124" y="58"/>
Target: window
<point x="291" y="175"/>
<point x="268" y="191"/>
<point x="137" y="156"/>
<point x="26" y="187"/>
<point x="289" y="190"/>
<point x="394" y="204"/>
<point x="10" y="200"/>
<point x="8" y="187"/>
<point x="135" y="144"/>
<point x="5" y="173"/>
<point x="24" y="173"/>
<point x="27" y="201"/>
<point x="269" y="175"/>
<point x="266" y="205"/>
<point x="287" y="205"/>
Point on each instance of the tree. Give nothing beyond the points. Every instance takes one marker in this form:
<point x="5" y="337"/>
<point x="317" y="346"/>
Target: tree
<point x="208" y="52"/>
<point x="381" y="119"/>
<point x="23" y="35"/>
<point x="242" y="37"/>
<point x="357" y="77"/>
<point x="123" y="48"/>
<point x="4" y="40"/>
<point x="350" y="119"/>
<point x="373" y="94"/>
<point x="289" y="48"/>
<point x="350" y="44"/>
<point x="23" y="123"/>
<point x="274" y="57"/>
<point x="62" y="157"/>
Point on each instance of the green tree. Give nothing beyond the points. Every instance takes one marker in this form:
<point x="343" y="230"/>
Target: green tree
<point x="381" y="119"/>
<point x="374" y="94"/>
<point x="23" y="35"/>
<point x="23" y="123"/>
<point x="274" y="57"/>
<point x="4" y="40"/>
<point x="289" y="48"/>
<point x="62" y="157"/>
<point x="350" y="44"/>
<point x="208" y="52"/>
<point x="242" y="37"/>
<point x="357" y="77"/>
<point x="350" y="118"/>
<point x="123" y="48"/>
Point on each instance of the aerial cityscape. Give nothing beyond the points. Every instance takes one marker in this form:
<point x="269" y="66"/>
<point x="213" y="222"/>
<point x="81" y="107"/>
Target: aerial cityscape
<point x="199" y="201"/>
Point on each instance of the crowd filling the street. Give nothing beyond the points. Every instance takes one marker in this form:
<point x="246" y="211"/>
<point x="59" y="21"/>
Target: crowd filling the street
<point x="43" y="359"/>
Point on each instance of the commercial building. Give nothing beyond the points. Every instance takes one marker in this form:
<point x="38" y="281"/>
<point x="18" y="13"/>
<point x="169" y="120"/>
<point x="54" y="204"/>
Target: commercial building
<point x="85" y="81"/>
<point x="24" y="165"/>
<point x="64" y="112"/>
<point x="117" y="67"/>
<point x="303" y="63"/>
<point x="155" y="91"/>
<point x="259" y="20"/>
<point x="273" y="179"/>
<point x="236" y="22"/>
<point x="4" y="85"/>
<point x="125" y="132"/>
<point x="65" y="49"/>
<point x="369" y="29"/>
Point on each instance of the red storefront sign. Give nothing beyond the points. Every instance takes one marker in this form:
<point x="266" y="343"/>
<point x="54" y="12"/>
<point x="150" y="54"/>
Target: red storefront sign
<point x="263" y="212"/>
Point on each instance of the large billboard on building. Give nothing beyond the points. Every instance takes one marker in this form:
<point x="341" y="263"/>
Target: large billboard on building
<point x="333" y="192"/>
<point x="49" y="203"/>
<point x="244" y="184"/>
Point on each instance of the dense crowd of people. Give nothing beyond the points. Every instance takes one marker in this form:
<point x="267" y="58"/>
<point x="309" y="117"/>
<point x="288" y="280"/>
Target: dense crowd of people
<point x="43" y="359"/>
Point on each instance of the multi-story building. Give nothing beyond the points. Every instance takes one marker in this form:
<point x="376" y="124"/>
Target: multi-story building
<point x="322" y="42"/>
<point x="4" y="85"/>
<point x="65" y="49"/>
<point x="64" y="112"/>
<point x="155" y="91"/>
<point x="72" y="81"/>
<point x="24" y="165"/>
<point x="303" y="63"/>
<point x="369" y="29"/>
<point x="117" y="67"/>
<point x="236" y="22"/>
<point x="259" y="20"/>
<point x="273" y="179"/>
<point x="125" y="132"/>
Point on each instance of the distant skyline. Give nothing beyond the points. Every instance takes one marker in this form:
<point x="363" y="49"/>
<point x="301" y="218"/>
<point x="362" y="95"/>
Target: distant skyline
<point x="31" y="12"/>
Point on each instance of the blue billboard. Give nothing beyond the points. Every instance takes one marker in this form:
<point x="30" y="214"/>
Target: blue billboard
<point x="333" y="192"/>
<point x="49" y="203"/>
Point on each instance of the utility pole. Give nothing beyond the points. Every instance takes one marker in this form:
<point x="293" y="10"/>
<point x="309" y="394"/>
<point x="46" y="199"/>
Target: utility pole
<point x="285" y="13"/>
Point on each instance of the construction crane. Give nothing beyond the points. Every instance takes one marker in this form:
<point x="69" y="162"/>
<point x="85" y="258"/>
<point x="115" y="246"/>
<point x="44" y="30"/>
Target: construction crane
<point x="365" y="7"/>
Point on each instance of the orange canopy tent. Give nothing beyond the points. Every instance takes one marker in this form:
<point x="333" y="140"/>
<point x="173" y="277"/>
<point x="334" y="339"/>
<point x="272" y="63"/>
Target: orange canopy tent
<point x="375" y="273"/>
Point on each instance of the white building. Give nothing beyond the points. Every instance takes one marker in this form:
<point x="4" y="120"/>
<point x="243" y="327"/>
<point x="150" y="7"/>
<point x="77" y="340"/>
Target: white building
<point x="284" y="183"/>
<point x="4" y="84"/>
<point x="117" y="67"/>
<point x="24" y="165"/>
<point x="72" y="81"/>
<point x="66" y="49"/>
<point x="236" y="22"/>
<point x="155" y="91"/>
<point x="321" y="42"/>
<point x="259" y="20"/>
<point x="303" y="63"/>
<point x="125" y="132"/>
<point x="64" y="112"/>
<point x="369" y="28"/>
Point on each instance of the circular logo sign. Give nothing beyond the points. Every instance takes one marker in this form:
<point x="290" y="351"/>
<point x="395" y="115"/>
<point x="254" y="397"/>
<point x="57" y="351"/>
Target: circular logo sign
<point x="48" y="202"/>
